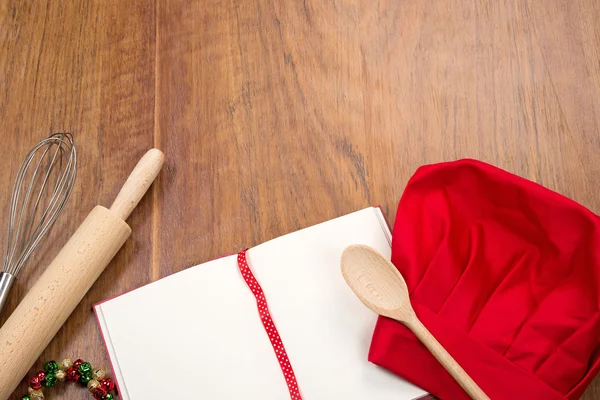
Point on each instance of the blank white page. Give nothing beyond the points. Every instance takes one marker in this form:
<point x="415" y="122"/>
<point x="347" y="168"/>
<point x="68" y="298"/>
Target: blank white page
<point x="197" y="334"/>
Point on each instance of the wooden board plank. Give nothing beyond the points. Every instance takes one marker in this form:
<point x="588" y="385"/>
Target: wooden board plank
<point x="291" y="113"/>
<point x="569" y="40"/>
<point x="85" y="67"/>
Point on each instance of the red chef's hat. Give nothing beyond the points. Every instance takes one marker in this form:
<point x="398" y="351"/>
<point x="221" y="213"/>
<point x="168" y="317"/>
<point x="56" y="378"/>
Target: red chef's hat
<point x="505" y="274"/>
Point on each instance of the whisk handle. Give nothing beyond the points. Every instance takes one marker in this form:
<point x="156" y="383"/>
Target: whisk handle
<point x="6" y="282"/>
<point x="137" y="184"/>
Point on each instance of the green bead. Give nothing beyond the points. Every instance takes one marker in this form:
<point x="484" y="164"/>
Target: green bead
<point x="108" y="397"/>
<point x="50" y="380"/>
<point x="85" y="367"/>
<point x="85" y="378"/>
<point x="51" y="367"/>
<point x="26" y="397"/>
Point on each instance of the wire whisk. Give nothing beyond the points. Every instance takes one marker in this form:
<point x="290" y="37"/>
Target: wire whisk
<point x="42" y="187"/>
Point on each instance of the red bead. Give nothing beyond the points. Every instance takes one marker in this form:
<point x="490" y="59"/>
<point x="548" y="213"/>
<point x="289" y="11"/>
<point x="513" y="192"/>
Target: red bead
<point x="107" y="384"/>
<point x="35" y="382"/>
<point x="77" y="363"/>
<point x="99" y="392"/>
<point x="73" y="375"/>
<point x="41" y="375"/>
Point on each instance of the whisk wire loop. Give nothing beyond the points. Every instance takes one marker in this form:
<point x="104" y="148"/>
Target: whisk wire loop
<point x="42" y="187"/>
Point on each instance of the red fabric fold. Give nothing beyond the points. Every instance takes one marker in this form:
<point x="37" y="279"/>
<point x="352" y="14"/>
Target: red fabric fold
<point x="506" y="274"/>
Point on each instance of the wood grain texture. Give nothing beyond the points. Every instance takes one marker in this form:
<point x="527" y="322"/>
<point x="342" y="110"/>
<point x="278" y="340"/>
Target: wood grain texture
<point x="291" y="113"/>
<point x="88" y="68"/>
<point x="278" y="115"/>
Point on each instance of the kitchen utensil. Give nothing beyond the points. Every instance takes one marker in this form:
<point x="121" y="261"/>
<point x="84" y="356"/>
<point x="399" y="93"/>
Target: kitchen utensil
<point x="381" y="287"/>
<point x="41" y="190"/>
<point x="61" y="287"/>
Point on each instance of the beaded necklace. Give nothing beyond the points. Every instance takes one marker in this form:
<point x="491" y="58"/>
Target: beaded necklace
<point x="79" y="371"/>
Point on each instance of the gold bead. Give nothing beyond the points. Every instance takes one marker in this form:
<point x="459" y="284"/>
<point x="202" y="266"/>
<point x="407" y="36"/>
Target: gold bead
<point x="36" y="395"/>
<point x="99" y="374"/>
<point x="60" y="375"/>
<point x="66" y="364"/>
<point x="93" y="384"/>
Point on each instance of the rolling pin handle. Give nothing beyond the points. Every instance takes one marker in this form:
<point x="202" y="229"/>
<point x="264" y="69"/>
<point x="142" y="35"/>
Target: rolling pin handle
<point x="137" y="184"/>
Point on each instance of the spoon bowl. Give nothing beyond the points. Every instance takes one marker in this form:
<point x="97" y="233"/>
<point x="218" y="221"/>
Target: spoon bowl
<point x="382" y="288"/>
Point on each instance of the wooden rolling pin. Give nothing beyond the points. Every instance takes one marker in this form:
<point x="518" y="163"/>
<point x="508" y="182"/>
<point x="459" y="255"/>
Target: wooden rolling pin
<point x="67" y="279"/>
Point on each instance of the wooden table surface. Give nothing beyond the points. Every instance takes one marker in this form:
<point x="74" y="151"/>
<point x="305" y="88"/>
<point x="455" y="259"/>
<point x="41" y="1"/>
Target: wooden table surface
<point x="276" y="115"/>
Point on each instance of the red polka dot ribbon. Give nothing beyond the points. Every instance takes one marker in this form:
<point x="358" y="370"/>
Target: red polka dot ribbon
<point x="267" y="321"/>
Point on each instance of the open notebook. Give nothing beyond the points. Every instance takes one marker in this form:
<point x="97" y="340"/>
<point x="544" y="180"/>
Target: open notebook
<point x="197" y="334"/>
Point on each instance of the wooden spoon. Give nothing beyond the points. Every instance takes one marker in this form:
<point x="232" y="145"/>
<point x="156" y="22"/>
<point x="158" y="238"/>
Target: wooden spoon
<point x="380" y="286"/>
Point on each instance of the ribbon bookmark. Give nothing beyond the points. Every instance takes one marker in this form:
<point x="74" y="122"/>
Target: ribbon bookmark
<point x="267" y="321"/>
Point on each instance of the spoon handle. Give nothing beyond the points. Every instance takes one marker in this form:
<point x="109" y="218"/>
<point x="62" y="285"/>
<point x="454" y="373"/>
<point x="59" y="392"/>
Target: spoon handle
<point x="440" y="353"/>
